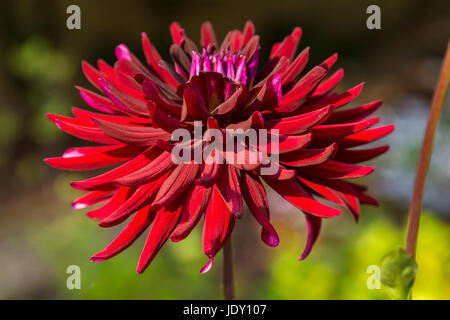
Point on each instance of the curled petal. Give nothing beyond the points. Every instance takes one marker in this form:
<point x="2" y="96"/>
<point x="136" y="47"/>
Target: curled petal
<point x="313" y="224"/>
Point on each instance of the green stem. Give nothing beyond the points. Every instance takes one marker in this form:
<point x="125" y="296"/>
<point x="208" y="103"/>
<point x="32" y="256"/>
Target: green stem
<point x="425" y="154"/>
<point x="228" y="283"/>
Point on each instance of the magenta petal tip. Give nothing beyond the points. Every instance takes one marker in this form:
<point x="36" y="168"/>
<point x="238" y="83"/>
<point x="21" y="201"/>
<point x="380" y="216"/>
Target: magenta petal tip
<point x="207" y="266"/>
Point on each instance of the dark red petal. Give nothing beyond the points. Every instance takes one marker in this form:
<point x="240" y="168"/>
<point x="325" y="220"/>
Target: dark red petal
<point x="337" y="100"/>
<point x="308" y="157"/>
<point x="218" y="225"/>
<point x="100" y="102"/>
<point x="324" y="191"/>
<point x="299" y="123"/>
<point x="125" y="102"/>
<point x="162" y="120"/>
<point x="281" y="174"/>
<point x="211" y="170"/>
<point x="354" y="114"/>
<point x="196" y="202"/>
<point x="96" y="157"/>
<point x="347" y="194"/>
<point x="153" y="93"/>
<point x="126" y="120"/>
<point x="302" y="89"/>
<point x="105" y="180"/>
<point x="122" y="78"/>
<point x="328" y="85"/>
<point x="143" y="196"/>
<point x="91" y="73"/>
<point x="337" y="170"/>
<point x="120" y="196"/>
<point x="360" y="155"/>
<point x="154" y="60"/>
<point x="285" y="143"/>
<point x="88" y="133"/>
<point x="296" y="67"/>
<point x="313" y="224"/>
<point x="181" y="60"/>
<point x="255" y="197"/>
<point x="141" y="220"/>
<point x="365" y="199"/>
<point x="292" y="191"/>
<point x="231" y="104"/>
<point x="330" y="132"/>
<point x="176" y="183"/>
<point x="328" y="63"/>
<point x="288" y="47"/>
<point x="365" y="136"/>
<point x="149" y="172"/>
<point x="192" y="106"/>
<point x="163" y="225"/>
<point x="273" y="67"/>
<point x="141" y="136"/>
<point x="230" y="190"/>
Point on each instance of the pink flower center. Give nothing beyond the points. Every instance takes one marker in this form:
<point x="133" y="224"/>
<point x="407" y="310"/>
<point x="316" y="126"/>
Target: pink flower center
<point x="228" y="64"/>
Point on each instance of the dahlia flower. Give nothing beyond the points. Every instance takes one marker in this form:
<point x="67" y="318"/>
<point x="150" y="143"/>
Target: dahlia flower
<point x="221" y="86"/>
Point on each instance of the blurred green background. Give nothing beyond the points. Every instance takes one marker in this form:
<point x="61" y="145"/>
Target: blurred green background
<point x="40" y="236"/>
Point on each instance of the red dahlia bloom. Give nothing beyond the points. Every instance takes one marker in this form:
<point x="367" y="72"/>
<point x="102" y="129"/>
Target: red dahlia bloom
<point x="139" y="106"/>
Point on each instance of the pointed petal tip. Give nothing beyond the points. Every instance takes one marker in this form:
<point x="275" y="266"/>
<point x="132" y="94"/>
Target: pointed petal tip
<point x="50" y="116"/>
<point x="175" y="239"/>
<point x="303" y="257"/>
<point x="78" y="206"/>
<point x="96" y="258"/>
<point x="207" y="266"/>
<point x="297" y="32"/>
<point x="270" y="238"/>
<point x="122" y="52"/>
<point x="139" y="271"/>
<point x="141" y="267"/>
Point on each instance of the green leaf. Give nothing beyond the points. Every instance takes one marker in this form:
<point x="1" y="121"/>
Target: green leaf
<point x="398" y="272"/>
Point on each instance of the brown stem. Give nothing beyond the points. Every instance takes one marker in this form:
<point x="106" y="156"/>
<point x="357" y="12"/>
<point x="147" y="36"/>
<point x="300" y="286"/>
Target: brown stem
<point x="425" y="154"/>
<point x="228" y="283"/>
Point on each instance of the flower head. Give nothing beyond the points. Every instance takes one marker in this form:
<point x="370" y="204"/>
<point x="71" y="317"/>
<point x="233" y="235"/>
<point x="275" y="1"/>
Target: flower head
<point x="310" y="142"/>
